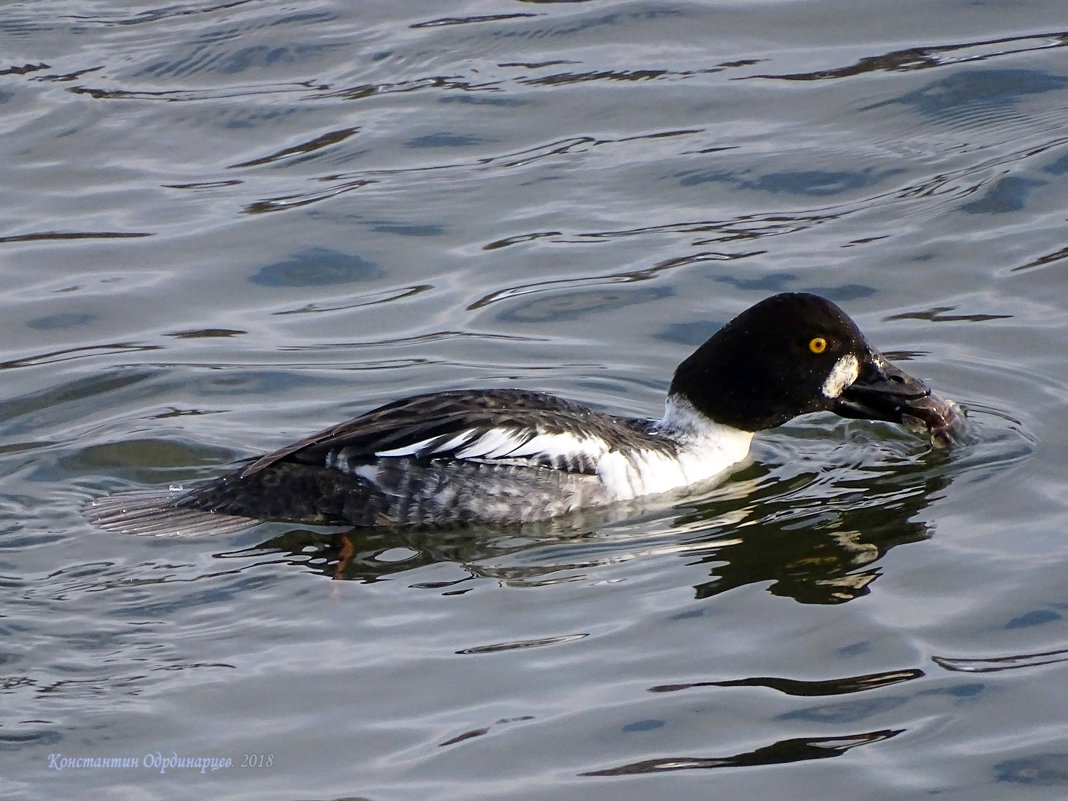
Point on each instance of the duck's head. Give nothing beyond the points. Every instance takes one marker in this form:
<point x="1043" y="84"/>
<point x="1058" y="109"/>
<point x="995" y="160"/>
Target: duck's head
<point x="792" y="354"/>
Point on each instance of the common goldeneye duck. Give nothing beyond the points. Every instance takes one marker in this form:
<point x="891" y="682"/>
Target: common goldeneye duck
<point x="502" y="456"/>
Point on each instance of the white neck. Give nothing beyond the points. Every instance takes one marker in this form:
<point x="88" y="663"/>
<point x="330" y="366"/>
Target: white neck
<point x="706" y="449"/>
<point x="683" y="422"/>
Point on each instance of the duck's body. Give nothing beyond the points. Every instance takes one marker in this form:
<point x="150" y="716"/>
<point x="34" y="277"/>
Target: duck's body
<point x="510" y="456"/>
<point x="475" y="456"/>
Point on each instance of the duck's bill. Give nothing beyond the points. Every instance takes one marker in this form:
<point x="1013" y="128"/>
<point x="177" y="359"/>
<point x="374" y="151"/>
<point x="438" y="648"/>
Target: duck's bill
<point x="883" y="391"/>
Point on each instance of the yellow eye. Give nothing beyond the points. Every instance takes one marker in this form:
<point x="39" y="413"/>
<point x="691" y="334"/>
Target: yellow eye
<point x="817" y="344"/>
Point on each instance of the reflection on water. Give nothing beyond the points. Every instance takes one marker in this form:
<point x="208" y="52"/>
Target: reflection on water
<point x="821" y="553"/>
<point x="825" y="547"/>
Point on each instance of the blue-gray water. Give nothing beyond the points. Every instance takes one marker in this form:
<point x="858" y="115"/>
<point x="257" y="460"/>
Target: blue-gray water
<point x="227" y="225"/>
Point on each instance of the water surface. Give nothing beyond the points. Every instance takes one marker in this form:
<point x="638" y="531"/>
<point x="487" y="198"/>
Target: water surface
<point x="229" y="225"/>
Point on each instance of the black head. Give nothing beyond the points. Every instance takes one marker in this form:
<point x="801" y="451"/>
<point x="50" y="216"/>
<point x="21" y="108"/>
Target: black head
<point x="788" y="355"/>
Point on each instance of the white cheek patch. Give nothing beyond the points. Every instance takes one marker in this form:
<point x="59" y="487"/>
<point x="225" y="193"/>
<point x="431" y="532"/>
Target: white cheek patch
<point x="845" y="372"/>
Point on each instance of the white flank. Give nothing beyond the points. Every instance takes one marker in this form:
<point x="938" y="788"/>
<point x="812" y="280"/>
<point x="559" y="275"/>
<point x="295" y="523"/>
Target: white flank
<point x="706" y="449"/>
<point x="844" y="373"/>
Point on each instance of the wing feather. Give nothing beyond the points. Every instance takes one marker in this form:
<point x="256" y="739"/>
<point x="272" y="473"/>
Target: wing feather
<point x="494" y="443"/>
<point x="425" y="447"/>
<point x="465" y="424"/>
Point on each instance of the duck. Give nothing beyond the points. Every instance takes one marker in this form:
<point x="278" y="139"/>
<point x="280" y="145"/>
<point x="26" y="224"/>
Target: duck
<point x="498" y="457"/>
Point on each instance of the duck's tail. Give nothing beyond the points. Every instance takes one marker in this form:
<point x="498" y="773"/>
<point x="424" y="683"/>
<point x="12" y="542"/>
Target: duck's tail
<point x="159" y="513"/>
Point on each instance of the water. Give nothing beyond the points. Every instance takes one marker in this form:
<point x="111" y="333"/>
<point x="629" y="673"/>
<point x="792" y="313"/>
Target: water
<point x="226" y="226"/>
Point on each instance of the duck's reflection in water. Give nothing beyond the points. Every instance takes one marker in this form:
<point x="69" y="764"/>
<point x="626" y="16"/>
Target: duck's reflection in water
<point x="814" y="537"/>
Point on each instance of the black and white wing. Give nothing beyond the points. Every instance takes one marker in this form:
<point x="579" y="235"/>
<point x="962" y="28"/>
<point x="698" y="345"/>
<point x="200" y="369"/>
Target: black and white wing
<point x="514" y="425"/>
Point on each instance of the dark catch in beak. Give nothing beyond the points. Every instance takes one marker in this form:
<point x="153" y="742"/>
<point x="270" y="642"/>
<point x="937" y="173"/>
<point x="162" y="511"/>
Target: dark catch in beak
<point x="883" y="391"/>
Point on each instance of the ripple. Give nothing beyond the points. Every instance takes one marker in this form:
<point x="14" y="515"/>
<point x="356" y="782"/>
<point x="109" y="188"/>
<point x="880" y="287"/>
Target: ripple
<point x="936" y="56"/>
<point x="799" y="749"/>
<point x="317" y="267"/>
<point x="518" y="644"/>
<point x="1039" y="770"/>
<point x="805" y="688"/>
<point x="54" y="236"/>
<point x="302" y="150"/>
<point x="996" y="664"/>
